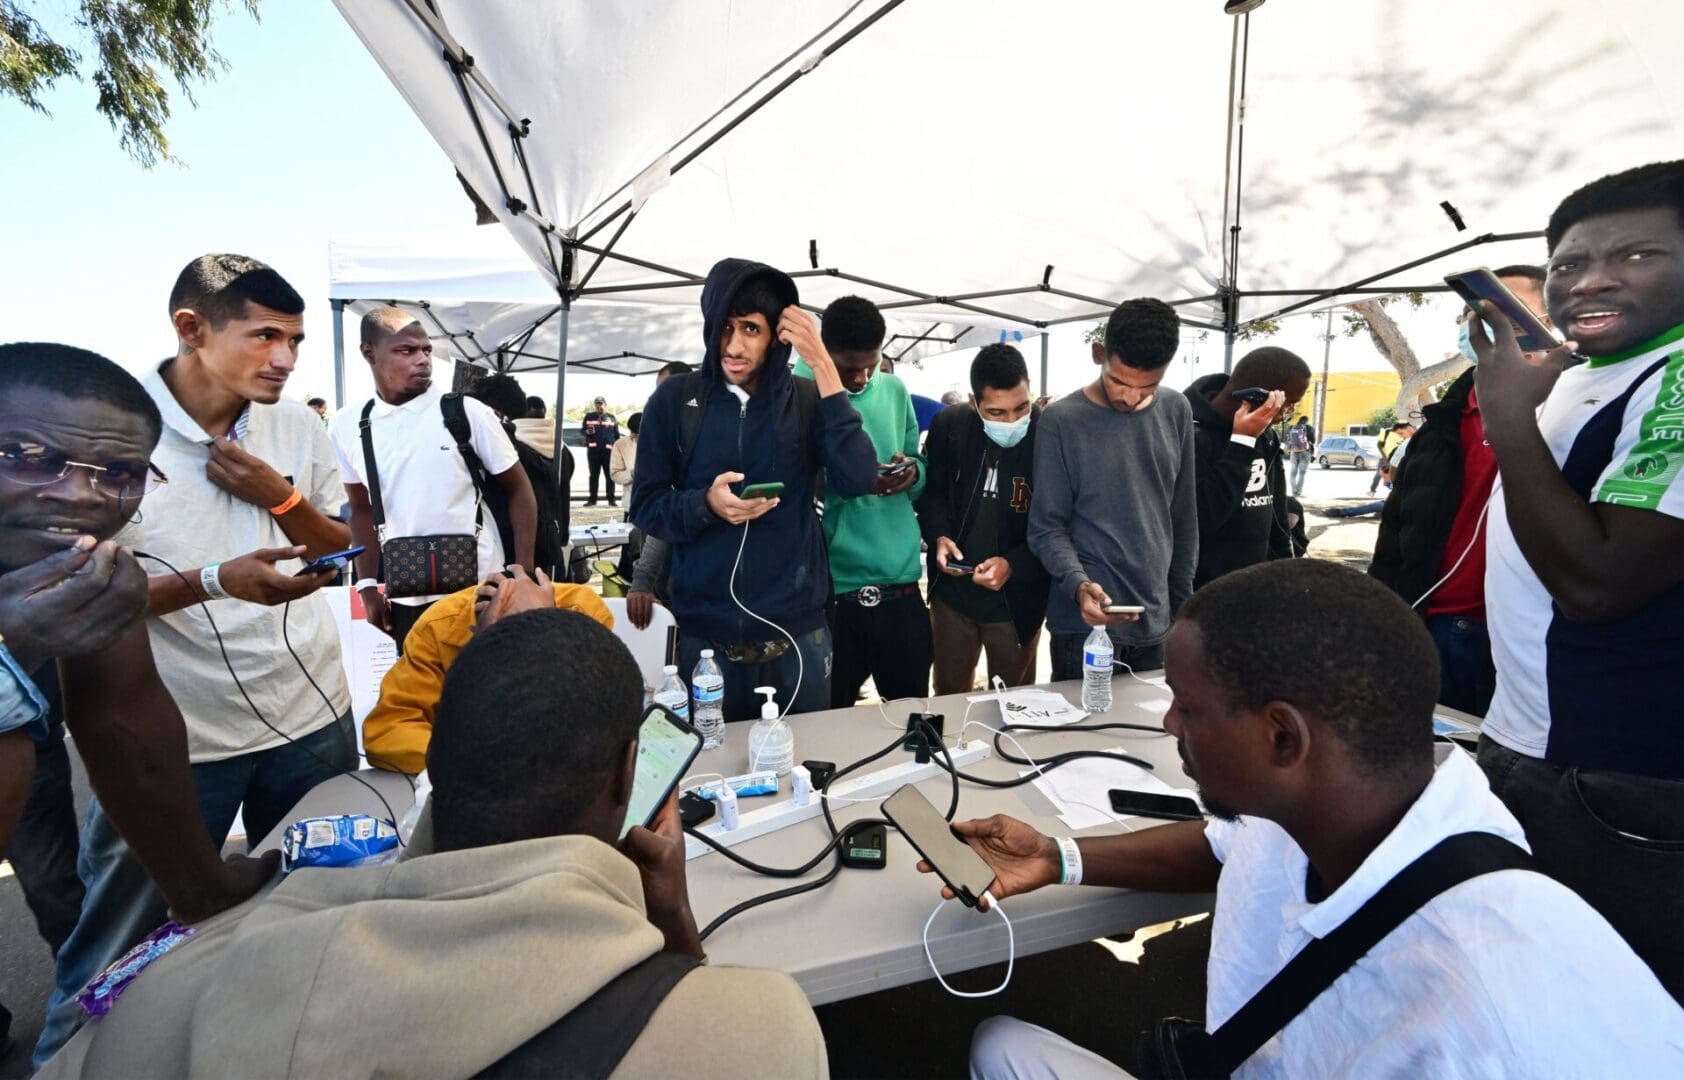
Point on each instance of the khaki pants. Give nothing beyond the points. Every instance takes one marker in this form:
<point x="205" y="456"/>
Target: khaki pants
<point x="959" y="641"/>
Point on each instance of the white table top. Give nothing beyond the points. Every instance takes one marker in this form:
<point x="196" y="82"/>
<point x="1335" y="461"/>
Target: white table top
<point x="863" y="931"/>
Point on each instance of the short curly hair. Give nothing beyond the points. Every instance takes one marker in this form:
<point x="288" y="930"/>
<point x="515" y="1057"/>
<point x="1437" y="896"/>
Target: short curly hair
<point x="1657" y="184"/>
<point x="1143" y="333"/>
<point x="853" y="323"/>
<point x="1363" y="664"/>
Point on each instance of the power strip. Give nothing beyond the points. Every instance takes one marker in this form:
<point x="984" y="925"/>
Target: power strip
<point x="783" y="813"/>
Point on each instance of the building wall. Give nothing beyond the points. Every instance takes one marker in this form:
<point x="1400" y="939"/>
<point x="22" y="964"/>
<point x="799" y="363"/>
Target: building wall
<point x="1352" y="397"/>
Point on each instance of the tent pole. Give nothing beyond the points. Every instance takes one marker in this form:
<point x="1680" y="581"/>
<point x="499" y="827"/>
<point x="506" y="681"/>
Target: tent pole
<point x="1043" y="362"/>
<point x="563" y="316"/>
<point x="338" y="353"/>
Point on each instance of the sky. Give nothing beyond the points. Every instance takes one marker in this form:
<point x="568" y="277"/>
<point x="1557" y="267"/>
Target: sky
<point x="303" y="139"/>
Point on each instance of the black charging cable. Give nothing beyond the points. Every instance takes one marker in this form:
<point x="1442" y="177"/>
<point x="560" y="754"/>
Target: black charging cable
<point x="255" y="711"/>
<point x="1053" y="761"/>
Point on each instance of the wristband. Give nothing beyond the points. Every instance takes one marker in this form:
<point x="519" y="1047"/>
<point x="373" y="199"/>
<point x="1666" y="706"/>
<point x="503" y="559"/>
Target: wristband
<point x="1070" y="861"/>
<point x="288" y="503"/>
<point x="1244" y="440"/>
<point x="366" y="583"/>
<point x="210" y="580"/>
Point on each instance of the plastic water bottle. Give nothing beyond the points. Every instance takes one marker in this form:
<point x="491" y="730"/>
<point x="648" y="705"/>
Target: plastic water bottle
<point x="673" y="695"/>
<point x="771" y="742"/>
<point x="423" y="788"/>
<point x="707" y="690"/>
<point x="1096" y="672"/>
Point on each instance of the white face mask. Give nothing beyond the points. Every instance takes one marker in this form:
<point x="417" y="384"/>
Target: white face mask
<point x="1005" y="434"/>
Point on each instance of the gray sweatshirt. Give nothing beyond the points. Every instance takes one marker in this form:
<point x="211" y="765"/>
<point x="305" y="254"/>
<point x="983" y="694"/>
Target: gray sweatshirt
<point x="1114" y="504"/>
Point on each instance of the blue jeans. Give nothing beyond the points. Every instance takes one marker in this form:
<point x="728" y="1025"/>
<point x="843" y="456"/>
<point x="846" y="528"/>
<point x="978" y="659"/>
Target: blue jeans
<point x="122" y="905"/>
<point x="1466" y="676"/>
<point x="43" y="851"/>
<point x="1300" y="468"/>
<point x="1066" y="655"/>
<point x="741" y="702"/>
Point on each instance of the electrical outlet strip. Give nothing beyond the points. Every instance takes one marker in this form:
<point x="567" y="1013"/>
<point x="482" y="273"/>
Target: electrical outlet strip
<point x="784" y="812"/>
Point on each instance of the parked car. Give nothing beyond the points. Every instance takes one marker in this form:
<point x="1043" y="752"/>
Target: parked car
<point x="573" y="436"/>
<point x="1358" y="451"/>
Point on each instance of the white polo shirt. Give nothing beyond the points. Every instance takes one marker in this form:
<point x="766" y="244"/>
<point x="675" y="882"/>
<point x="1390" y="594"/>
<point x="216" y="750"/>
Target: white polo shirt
<point x="1509" y="974"/>
<point x="193" y="523"/>
<point x="425" y="488"/>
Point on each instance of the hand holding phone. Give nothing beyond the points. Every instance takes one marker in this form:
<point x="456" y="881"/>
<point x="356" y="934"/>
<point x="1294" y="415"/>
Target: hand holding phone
<point x="732" y="508"/>
<point x="1481" y="284"/>
<point x="1021" y="858"/>
<point x="895" y="468"/>
<point x="959" y="867"/>
<point x="666" y="746"/>
<point x="1123" y="609"/>
<point x="769" y="490"/>
<point x="332" y="562"/>
<point x="954" y="566"/>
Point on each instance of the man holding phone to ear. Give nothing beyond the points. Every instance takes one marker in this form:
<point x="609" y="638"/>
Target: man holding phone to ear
<point x="749" y="574"/>
<point x="1584" y="577"/>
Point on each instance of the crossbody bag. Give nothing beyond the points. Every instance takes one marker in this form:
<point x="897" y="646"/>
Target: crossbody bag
<point x="1177" y="1049"/>
<point x="421" y="565"/>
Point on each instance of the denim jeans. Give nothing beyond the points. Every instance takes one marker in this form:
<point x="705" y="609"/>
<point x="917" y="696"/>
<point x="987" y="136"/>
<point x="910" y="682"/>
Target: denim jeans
<point x="741" y="702"/>
<point x="1066" y="656"/>
<point x="1616" y="839"/>
<point x="1300" y="468"/>
<point x="44" y="845"/>
<point x="1466" y="676"/>
<point x="122" y="905"/>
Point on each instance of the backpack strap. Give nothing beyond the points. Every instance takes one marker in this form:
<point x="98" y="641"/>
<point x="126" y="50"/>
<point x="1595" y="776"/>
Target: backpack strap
<point x="456" y="422"/>
<point x="590" y="1041"/>
<point x="1450" y="862"/>
<point x="371" y="472"/>
<point x="690" y="413"/>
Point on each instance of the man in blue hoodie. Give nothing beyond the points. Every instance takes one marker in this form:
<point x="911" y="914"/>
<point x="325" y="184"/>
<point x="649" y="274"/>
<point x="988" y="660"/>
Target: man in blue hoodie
<point x="749" y="575"/>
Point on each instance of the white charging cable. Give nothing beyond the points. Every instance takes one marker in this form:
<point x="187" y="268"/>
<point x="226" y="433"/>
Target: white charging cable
<point x="1011" y="950"/>
<point x="1478" y="526"/>
<point x="800" y="664"/>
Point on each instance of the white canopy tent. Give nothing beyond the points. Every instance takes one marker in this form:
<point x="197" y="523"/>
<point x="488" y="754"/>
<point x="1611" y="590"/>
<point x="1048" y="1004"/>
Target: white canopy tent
<point x="483" y="303"/>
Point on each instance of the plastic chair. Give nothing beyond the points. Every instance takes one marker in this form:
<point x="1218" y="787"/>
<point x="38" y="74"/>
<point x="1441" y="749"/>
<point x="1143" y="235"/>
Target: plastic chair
<point x="648" y="647"/>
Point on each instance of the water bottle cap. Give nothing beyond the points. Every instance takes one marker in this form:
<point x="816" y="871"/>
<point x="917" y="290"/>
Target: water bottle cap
<point x="707" y="654"/>
<point x="670" y="669"/>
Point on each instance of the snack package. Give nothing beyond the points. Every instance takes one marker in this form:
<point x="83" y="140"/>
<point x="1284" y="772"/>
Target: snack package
<point x="345" y="840"/>
<point x="97" y="997"/>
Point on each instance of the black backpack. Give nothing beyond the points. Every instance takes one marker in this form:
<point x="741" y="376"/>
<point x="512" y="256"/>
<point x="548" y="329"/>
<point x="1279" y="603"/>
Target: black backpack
<point x="696" y="389"/>
<point x="547" y="546"/>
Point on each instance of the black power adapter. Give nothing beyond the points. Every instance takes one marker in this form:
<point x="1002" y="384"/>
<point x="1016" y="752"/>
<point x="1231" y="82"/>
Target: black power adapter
<point x="917" y="738"/>
<point x="865" y="846"/>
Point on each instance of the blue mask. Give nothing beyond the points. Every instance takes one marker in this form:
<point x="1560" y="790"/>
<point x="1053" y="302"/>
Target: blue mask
<point x="1464" y="344"/>
<point x="1005" y="435"/>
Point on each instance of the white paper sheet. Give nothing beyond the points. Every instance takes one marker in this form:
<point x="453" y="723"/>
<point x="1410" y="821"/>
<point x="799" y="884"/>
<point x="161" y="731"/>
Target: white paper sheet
<point x="1029" y="705"/>
<point x="1080" y="790"/>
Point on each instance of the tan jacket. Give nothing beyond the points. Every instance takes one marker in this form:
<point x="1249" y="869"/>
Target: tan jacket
<point x="435" y="966"/>
<point x="622" y="460"/>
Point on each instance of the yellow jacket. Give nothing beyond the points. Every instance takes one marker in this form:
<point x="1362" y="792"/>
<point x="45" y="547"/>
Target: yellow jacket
<point x="396" y="732"/>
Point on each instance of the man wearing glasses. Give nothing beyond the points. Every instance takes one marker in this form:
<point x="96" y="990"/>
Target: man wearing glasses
<point x="253" y="485"/>
<point x="76" y="435"/>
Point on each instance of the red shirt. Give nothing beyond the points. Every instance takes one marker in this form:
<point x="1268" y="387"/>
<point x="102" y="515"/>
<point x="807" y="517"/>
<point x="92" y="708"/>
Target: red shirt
<point x="1464" y="592"/>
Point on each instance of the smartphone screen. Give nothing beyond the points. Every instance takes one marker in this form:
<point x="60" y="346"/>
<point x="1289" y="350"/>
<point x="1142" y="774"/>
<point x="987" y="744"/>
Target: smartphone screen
<point x="1153" y="804"/>
<point x="334" y="561"/>
<point x="1481" y="284"/>
<point x="960" y="868"/>
<point x="666" y="746"/>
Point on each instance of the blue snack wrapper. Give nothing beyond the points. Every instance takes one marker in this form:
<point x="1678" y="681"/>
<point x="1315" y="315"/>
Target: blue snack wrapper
<point x="764" y="782"/>
<point x="345" y="840"/>
<point x="98" y="996"/>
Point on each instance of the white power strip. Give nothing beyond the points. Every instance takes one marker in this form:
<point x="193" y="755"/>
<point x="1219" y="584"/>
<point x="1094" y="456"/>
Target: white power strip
<point x="784" y="812"/>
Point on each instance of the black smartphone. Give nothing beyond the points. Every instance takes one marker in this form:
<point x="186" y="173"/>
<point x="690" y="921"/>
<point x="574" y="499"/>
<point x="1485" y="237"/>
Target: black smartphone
<point x="1251" y="395"/>
<point x="1481" y="284"/>
<point x="895" y="468"/>
<point x="763" y="491"/>
<point x="332" y="562"/>
<point x="1151" y="804"/>
<point x="959" y="868"/>
<point x="666" y="746"/>
<point x="961" y="567"/>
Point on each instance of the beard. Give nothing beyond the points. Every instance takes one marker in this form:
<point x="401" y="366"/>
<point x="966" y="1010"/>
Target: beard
<point x="1217" y="810"/>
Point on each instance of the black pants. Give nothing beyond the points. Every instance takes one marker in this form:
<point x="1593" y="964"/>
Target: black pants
<point x="889" y="644"/>
<point x="598" y="457"/>
<point x="404" y="617"/>
<point x="1616" y="839"/>
<point x="1066" y="656"/>
<point x="45" y="843"/>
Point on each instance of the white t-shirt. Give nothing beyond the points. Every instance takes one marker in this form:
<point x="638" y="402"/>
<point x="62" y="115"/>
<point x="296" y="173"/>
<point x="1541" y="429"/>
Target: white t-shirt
<point x="1596" y="696"/>
<point x="1508" y="974"/>
<point x="424" y="483"/>
<point x="193" y="523"/>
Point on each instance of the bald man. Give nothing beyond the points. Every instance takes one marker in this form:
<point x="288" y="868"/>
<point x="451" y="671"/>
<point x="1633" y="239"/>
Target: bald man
<point x="426" y="488"/>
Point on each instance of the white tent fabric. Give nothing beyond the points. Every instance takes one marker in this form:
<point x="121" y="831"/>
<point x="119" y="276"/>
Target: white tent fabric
<point x="1092" y="137"/>
<point x="481" y="301"/>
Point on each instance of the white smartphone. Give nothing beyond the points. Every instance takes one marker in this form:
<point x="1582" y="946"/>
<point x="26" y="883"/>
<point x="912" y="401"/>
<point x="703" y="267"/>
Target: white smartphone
<point x="666" y="746"/>
<point x="1123" y="609"/>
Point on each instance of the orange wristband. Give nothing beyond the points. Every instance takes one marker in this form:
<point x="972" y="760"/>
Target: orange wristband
<point x="291" y="501"/>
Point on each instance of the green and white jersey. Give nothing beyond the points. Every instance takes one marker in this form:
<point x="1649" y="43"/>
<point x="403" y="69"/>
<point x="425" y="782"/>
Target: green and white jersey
<point x="1596" y="695"/>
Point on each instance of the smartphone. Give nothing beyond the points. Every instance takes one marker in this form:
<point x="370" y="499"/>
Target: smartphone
<point x="961" y="567"/>
<point x="1123" y="609"/>
<point x="333" y="562"/>
<point x="1481" y="284"/>
<point x="666" y="746"/>
<point x="763" y="491"/>
<point x="1252" y="395"/>
<point x="1152" y="804"/>
<point x="896" y="468"/>
<point x="959" y="868"/>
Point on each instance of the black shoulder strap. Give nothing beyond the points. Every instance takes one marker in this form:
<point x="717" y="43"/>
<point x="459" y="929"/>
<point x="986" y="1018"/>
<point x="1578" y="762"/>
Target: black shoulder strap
<point x="456" y="422"/>
<point x="589" y="1042"/>
<point x="1452" y="861"/>
<point x="806" y="412"/>
<point x="696" y="388"/>
<point x="371" y="472"/>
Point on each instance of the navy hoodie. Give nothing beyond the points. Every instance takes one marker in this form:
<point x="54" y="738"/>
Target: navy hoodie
<point x="784" y="575"/>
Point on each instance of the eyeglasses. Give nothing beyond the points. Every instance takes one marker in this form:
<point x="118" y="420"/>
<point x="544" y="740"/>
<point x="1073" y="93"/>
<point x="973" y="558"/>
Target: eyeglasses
<point x="35" y="465"/>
